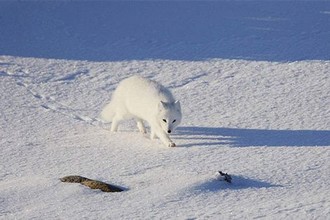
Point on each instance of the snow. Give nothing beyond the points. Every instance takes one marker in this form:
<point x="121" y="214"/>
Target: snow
<point x="254" y="86"/>
<point x="174" y="30"/>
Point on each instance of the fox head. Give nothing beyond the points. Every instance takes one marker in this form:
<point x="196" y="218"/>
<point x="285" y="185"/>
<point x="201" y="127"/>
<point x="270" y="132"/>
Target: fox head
<point x="169" y="115"/>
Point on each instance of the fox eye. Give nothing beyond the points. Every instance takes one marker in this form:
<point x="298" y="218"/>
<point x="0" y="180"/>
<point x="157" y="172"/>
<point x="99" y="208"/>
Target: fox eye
<point x="173" y="121"/>
<point x="164" y="120"/>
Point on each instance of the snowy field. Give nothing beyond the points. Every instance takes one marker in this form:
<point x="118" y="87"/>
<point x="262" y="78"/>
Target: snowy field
<point x="253" y="79"/>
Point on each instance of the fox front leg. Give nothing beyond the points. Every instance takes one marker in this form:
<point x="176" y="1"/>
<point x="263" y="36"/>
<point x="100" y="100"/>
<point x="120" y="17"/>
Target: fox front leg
<point x="140" y="126"/>
<point x="165" y="139"/>
<point x="152" y="134"/>
<point x="162" y="136"/>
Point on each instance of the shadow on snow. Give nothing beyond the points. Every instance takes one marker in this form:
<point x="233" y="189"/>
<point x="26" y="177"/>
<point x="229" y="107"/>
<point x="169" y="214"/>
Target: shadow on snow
<point x="207" y="136"/>
<point x="177" y="30"/>
<point x="238" y="182"/>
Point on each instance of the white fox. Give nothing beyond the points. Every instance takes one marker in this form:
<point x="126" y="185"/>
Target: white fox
<point x="144" y="100"/>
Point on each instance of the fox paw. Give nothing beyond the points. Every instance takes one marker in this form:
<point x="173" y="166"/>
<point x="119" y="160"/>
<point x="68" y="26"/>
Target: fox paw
<point x="171" y="144"/>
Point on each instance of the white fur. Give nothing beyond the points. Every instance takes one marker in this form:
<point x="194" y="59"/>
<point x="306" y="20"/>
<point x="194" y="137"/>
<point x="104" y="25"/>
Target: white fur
<point x="144" y="100"/>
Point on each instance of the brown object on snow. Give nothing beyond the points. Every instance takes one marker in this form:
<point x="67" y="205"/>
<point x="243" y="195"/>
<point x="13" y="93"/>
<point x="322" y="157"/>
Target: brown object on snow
<point x="93" y="184"/>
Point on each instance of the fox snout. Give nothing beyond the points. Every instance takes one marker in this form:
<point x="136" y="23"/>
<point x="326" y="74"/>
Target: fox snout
<point x="169" y="131"/>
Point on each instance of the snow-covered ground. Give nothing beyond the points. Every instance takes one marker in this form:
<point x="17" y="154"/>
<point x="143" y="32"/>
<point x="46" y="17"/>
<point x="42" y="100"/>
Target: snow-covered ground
<point x="253" y="79"/>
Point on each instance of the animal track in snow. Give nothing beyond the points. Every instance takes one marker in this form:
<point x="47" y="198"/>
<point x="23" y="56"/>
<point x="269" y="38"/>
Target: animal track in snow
<point x="50" y="103"/>
<point x="187" y="81"/>
<point x="73" y="76"/>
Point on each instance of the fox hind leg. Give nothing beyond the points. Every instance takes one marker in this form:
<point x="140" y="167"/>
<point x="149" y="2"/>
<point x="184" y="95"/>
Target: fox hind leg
<point x="115" y="123"/>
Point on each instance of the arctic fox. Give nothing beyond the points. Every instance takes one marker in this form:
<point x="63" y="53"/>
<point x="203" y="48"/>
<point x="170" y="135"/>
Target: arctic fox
<point x="144" y="100"/>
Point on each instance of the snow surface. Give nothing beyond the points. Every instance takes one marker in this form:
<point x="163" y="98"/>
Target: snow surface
<point x="255" y="100"/>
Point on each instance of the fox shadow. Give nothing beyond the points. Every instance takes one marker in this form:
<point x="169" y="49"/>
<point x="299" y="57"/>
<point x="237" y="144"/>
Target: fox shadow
<point x="236" y="137"/>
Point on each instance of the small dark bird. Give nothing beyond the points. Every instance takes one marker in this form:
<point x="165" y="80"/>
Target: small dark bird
<point x="224" y="176"/>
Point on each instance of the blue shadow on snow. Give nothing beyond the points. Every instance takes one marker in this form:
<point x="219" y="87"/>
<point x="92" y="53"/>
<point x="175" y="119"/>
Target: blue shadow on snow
<point x="236" y="137"/>
<point x="238" y="183"/>
<point x="174" y="30"/>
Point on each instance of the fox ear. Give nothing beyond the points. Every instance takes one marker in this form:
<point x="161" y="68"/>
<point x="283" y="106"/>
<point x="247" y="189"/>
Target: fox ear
<point x="162" y="105"/>
<point x="177" y="105"/>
